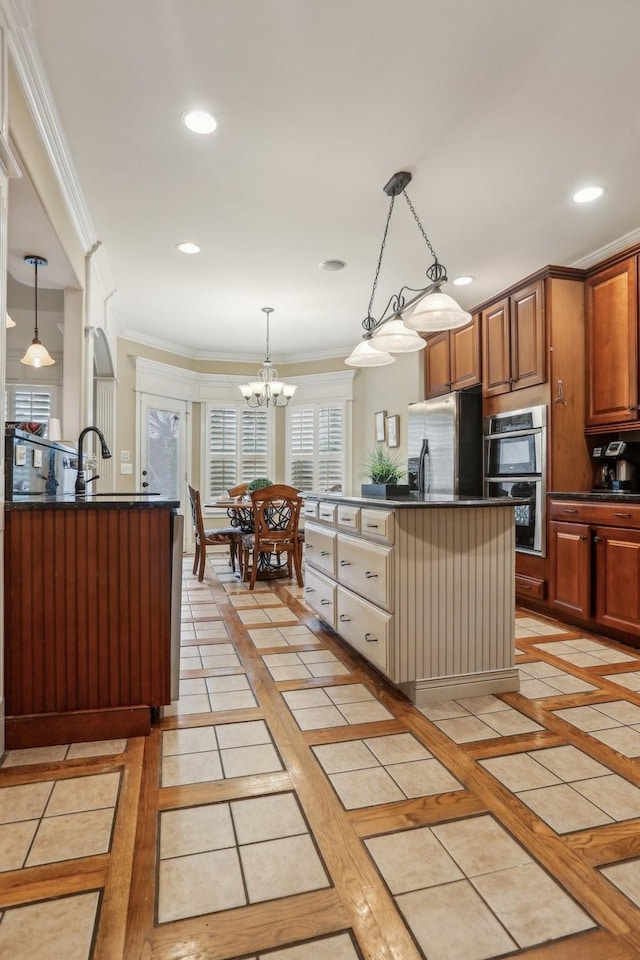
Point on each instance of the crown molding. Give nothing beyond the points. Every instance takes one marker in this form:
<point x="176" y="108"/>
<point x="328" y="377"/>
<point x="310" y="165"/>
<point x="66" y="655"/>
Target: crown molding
<point x="609" y="250"/>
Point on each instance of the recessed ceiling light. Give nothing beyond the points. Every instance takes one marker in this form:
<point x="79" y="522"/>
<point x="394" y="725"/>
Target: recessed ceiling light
<point x="199" y="121"/>
<point x="188" y="247"/>
<point x="462" y="281"/>
<point x="587" y="194"/>
<point x="332" y="265"/>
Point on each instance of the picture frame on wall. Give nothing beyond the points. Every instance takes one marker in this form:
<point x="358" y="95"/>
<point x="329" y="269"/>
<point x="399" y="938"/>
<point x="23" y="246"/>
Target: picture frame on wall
<point x="393" y="430"/>
<point x="380" y="420"/>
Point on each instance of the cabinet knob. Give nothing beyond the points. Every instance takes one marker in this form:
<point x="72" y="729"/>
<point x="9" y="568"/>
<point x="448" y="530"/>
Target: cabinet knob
<point x="596" y="538"/>
<point x="583" y="537"/>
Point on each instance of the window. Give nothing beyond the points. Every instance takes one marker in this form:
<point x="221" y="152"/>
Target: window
<point x="317" y="447"/>
<point x="25" y="403"/>
<point x="238" y="447"/>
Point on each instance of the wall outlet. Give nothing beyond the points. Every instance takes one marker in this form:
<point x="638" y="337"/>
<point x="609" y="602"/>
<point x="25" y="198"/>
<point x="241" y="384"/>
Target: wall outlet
<point x="126" y="468"/>
<point x="124" y="456"/>
<point x="20" y="455"/>
<point x="37" y="458"/>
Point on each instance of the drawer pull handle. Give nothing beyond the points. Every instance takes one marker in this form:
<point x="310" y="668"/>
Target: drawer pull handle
<point x="309" y="546"/>
<point x="372" y="526"/>
<point x="309" y="590"/>
<point x="570" y="511"/>
<point x="344" y="619"/>
<point x="621" y="515"/>
<point x="525" y="586"/>
<point x="370" y="575"/>
<point x="325" y="602"/>
<point x="345" y="519"/>
<point x="326" y="516"/>
<point x="345" y="563"/>
<point x="370" y="639"/>
<point x="324" y="553"/>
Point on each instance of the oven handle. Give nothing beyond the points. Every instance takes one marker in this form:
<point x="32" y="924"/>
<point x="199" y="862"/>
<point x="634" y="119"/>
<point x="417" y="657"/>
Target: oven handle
<point x="529" y="432"/>
<point x="519" y="478"/>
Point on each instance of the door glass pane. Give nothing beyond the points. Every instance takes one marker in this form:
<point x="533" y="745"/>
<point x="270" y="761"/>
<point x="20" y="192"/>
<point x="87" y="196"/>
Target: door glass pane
<point x="163" y="446"/>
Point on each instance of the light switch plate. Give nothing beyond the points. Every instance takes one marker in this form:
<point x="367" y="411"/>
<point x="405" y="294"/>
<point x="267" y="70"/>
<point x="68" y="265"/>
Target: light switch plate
<point x="37" y="458"/>
<point x="126" y="468"/>
<point x="124" y="456"/>
<point x="20" y="455"/>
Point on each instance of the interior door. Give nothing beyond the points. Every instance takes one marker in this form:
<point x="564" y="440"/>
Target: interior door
<point x="162" y="466"/>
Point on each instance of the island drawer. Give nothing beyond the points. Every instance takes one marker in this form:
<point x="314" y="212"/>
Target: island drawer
<point x="348" y="517"/>
<point x="605" y="514"/>
<point x="364" y="627"/>
<point x="310" y="509"/>
<point x="327" y="512"/>
<point x="377" y="523"/>
<point x="320" y="595"/>
<point x="320" y="548"/>
<point x="366" y="568"/>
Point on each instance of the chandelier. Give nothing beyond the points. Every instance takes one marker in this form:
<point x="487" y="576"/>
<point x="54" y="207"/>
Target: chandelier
<point x="409" y="311"/>
<point x="268" y="390"/>
<point x="37" y="354"/>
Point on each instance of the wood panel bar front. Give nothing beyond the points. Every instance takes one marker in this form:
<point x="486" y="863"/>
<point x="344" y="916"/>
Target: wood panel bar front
<point x="87" y="620"/>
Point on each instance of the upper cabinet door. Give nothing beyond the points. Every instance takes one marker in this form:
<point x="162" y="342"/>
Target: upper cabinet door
<point x="612" y="344"/>
<point x="527" y="337"/>
<point x="465" y="355"/>
<point x="496" y="361"/>
<point x="437" y="365"/>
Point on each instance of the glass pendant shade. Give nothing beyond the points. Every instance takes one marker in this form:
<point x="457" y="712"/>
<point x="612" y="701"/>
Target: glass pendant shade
<point x="10" y="322"/>
<point x="364" y="355"/>
<point x="37" y="355"/>
<point x="436" y="311"/>
<point x="396" y="337"/>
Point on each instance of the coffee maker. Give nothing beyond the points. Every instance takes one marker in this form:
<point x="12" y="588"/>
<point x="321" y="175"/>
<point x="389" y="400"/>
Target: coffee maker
<point x="616" y="466"/>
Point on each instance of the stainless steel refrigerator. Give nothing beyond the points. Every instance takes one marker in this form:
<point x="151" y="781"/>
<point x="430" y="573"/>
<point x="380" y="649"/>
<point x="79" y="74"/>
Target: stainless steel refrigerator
<point x="445" y="444"/>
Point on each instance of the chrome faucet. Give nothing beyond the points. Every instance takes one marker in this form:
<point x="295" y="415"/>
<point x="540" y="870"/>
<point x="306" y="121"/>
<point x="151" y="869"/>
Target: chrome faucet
<point x="81" y="483"/>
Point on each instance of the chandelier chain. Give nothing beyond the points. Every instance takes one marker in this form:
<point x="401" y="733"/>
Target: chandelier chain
<point x="382" y="246"/>
<point x="421" y="228"/>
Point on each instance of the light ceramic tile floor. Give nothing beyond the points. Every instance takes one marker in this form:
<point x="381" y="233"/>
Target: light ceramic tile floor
<point x="295" y="636"/>
<point x="566" y="788"/>
<point x="209" y="753"/>
<point x="584" y="652"/>
<point x="304" y="665"/>
<point x="383" y="770"/>
<point x="72" y="751"/>
<point x="540" y="679"/>
<point x="473" y="869"/>
<point x="65" y="928"/>
<point x="334" y="706"/>
<point x="615" y="723"/>
<point x="219" y="856"/>
<point x="478" y="718"/>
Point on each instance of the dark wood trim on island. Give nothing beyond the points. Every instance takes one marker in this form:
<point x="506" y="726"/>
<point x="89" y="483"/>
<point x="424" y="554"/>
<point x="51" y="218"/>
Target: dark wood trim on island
<point x="87" y="617"/>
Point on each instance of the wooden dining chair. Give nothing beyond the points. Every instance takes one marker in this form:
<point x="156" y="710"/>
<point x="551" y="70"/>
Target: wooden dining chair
<point x="238" y="491"/>
<point x="204" y="538"/>
<point x="276" y="513"/>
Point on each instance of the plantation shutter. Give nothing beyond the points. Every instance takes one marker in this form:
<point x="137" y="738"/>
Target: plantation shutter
<point x="317" y="447"/>
<point x="31" y="406"/>
<point x="254" y="445"/>
<point x="223" y="451"/>
<point x="302" y="447"/>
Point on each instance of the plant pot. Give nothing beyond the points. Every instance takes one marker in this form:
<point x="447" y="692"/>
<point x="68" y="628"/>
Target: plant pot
<point x="389" y="491"/>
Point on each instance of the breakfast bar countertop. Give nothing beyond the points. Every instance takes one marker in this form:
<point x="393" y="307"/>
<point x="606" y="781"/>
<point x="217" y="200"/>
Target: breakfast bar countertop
<point x="429" y="500"/>
<point x="99" y="501"/>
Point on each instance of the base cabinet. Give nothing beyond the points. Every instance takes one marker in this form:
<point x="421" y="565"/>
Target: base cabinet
<point x="596" y="567"/>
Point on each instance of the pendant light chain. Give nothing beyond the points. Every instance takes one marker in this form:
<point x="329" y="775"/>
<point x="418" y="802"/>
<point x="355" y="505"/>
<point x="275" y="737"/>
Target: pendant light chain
<point x="436" y="271"/>
<point x="35" y="263"/>
<point x="368" y="323"/>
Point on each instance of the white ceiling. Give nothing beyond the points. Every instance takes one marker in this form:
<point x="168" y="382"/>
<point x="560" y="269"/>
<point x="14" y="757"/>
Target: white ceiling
<point x="499" y="108"/>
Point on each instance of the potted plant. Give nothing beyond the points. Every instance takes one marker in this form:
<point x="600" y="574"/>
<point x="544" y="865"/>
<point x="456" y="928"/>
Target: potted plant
<point x="384" y="470"/>
<point x="258" y="483"/>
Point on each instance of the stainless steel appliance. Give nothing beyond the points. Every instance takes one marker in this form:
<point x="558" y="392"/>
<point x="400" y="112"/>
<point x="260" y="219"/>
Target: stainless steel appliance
<point x="445" y="445"/>
<point x="515" y="466"/>
<point x="616" y="466"/>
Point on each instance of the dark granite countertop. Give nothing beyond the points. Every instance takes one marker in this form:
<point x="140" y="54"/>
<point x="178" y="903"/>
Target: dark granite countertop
<point x="429" y="500"/>
<point x="95" y="501"/>
<point x="599" y="496"/>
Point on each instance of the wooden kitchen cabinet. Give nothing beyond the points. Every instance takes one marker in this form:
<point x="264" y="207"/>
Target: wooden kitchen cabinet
<point x="595" y="552"/>
<point x="513" y="341"/>
<point x="452" y="359"/>
<point x="612" y="345"/>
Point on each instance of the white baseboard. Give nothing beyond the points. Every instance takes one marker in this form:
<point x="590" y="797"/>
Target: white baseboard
<point x="431" y="690"/>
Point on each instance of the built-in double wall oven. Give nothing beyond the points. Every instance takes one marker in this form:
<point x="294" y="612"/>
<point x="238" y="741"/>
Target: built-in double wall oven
<point x="514" y="464"/>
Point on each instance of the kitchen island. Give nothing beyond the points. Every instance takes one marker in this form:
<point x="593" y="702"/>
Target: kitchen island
<point x="88" y="615"/>
<point x="422" y="588"/>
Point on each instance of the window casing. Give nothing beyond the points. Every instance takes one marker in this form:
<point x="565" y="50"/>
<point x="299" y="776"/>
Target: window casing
<point x="317" y="449"/>
<point x="238" y="446"/>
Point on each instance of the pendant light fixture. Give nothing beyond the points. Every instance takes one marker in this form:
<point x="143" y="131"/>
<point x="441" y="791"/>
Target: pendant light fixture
<point x="10" y="322"/>
<point x="37" y="355"/>
<point x="410" y="310"/>
<point x="268" y="390"/>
